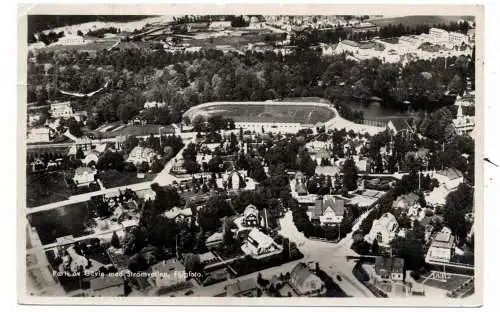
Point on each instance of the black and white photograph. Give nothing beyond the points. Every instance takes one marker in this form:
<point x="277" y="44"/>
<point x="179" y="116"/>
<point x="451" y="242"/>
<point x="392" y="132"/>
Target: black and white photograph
<point x="219" y="156"/>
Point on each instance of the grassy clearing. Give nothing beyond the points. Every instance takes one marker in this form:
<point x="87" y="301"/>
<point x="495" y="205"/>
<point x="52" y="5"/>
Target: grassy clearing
<point x="113" y="178"/>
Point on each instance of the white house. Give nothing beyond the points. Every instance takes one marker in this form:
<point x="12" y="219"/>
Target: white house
<point x="450" y="178"/>
<point x="258" y="245"/>
<point x="250" y="216"/>
<point x="180" y="215"/>
<point x="442" y="247"/>
<point x="154" y="104"/>
<point x="84" y="176"/>
<point x="388" y="269"/>
<point x="219" y="25"/>
<point x="383" y="230"/>
<point x="140" y="154"/>
<point x="61" y="110"/>
<point x="38" y="135"/>
<point x="304" y="282"/>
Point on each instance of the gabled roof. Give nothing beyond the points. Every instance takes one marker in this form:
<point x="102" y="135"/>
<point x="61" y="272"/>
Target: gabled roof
<point x="300" y="273"/>
<point x="241" y="286"/>
<point x="388" y="264"/>
<point x="451" y="173"/>
<point x="400" y="124"/>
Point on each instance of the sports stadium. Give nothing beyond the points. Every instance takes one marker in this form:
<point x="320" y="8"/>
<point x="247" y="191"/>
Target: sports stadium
<point x="284" y="117"/>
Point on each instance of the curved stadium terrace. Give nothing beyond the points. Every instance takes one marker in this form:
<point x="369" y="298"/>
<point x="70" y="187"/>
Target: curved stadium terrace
<point x="285" y="117"/>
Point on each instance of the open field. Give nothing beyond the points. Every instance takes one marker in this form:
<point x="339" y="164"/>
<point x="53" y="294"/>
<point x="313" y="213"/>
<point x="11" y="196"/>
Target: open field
<point x="46" y="187"/>
<point x="129" y="130"/>
<point x="304" y="113"/>
<point x="417" y="20"/>
<point x="66" y="220"/>
<point x="237" y="42"/>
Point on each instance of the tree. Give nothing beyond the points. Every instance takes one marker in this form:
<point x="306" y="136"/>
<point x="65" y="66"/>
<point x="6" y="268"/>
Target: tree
<point x="375" y="248"/>
<point x="198" y="123"/>
<point x="115" y="241"/>
<point x="458" y="203"/>
<point x="79" y="153"/>
<point x="307" y="165"/>
<point x="350" y="175"/>
<point x="191" y="166"/>
<point x="138" y="263"/>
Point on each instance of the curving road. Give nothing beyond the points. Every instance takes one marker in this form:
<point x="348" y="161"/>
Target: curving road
<point x="332" y="258"/>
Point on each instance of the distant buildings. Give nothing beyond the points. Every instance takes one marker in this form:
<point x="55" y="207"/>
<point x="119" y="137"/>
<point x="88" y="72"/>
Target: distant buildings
<point x="383" y="230"/>
<point x="463" y="124"/>
<point x="364" y="27"/>
<point x="259" y="245"/>
<point x="304" y="282"/>
<point x="154" y="104"/>
<point x="219" y="25"/>
<point x="438" y="35"/>
<point x="442" y="247"/>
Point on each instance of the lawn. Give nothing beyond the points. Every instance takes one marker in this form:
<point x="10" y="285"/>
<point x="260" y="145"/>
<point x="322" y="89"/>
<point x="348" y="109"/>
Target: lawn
<point x="114" y="178"/>
<point x="237" y="42"/>
<point x="46" y="187"/>
<point x="66" y="220"/>
<point x="131" y="130"/>
<point x="452" y="283"/>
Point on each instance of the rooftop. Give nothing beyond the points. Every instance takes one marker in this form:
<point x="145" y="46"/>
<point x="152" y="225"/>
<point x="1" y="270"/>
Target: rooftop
<point x="241" y="286"/>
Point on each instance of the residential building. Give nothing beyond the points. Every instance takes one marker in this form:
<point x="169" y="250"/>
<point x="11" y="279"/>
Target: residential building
<point x="250" y="216"/>
<point x="214" y="240"/>
<point x="167" y="273"/>
<point x="457" y="38"/>
<point x="364" y="27"/>
<point x="107" y="286"/>
<point x="396" y="126"/>
<point x="259" y="245"/>
<point x="406" y="201"/>
<point x="154" y="104"/>
<point x="38" y="135"/>
<point x="442" y="247"/>
<point x="438" y="35"/>
<point x="304" y="282"/>
<point x="328" y="210"/>
<point x="219" y="25"/>
<point x="244" y="288"/>
<point x="383" y="230"/>
<point x="463" y="124"/>
<point x="61" y="110"/>
<point x="84" y="176"/>
<point x="388" y="269"/>
<point x="180" y="215"/>
<point x="450" y="178"/>
<point x="92" y="156"/>
<point x="140" y="154"/>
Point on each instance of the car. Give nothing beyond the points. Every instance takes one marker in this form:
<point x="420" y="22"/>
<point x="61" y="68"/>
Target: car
<point x="339" y="278"/>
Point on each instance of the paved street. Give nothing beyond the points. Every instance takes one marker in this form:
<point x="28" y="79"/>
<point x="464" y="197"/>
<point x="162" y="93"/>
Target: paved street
<point x="332" y="258"/>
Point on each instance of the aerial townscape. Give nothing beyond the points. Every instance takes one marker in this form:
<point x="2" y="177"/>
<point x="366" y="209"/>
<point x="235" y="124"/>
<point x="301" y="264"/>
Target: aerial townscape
<point x="250" y="156"/>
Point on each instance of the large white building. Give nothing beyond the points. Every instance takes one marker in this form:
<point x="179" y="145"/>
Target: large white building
<point x="442" y="247"/>
<point x="258" y="245"/>
<point x="383" y="230"/>
<point x="438" y="35"/>
<point x="457" y="38"/>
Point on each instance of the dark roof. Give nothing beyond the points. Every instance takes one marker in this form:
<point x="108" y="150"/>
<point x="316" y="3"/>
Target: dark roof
<point x="388" y="265"/>
<point x="400" y="124"/>
<point x="101" y="283"/>
<point x="300" y="273"/>
<point x="241" y="286"/>
<point x="337" y="204"/>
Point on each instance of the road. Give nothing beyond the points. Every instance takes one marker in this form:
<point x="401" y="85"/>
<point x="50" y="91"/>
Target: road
<point x="332" y="258"/>
<point x="163" y="178"/>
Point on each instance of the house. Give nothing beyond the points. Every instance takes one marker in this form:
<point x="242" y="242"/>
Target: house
<point x="328" y="210"/>
<point x="219" y="25"/>
<point x="214" y="240"/>
<point x="167" y="273"/>
<point x="61" y="110"/>
<point x="396" y="126"/>
<point x="154" y="104"/>
<point x="250" y="216"/>
<point x="258" y="245"/>
<point x="304" y="282"/>
<point x="107" y="286"/>
<point x="92" y="156"/>
<point x="300" y="188"/>
<point x="383" y="230"/>
<point x="180" y="215"/>
<point x="327" y="170"/>
<point x="245" y="288"/>
<point x="406" y="201"/>
<point x="178" y="167"/>
<point x="84" y="176"/>
<point x="450" y="178"/>
<point x="38" y="135"/>
<point x="442" y="247"/>
<point x="140" y="154"/>
<point x="388" y="269"/>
